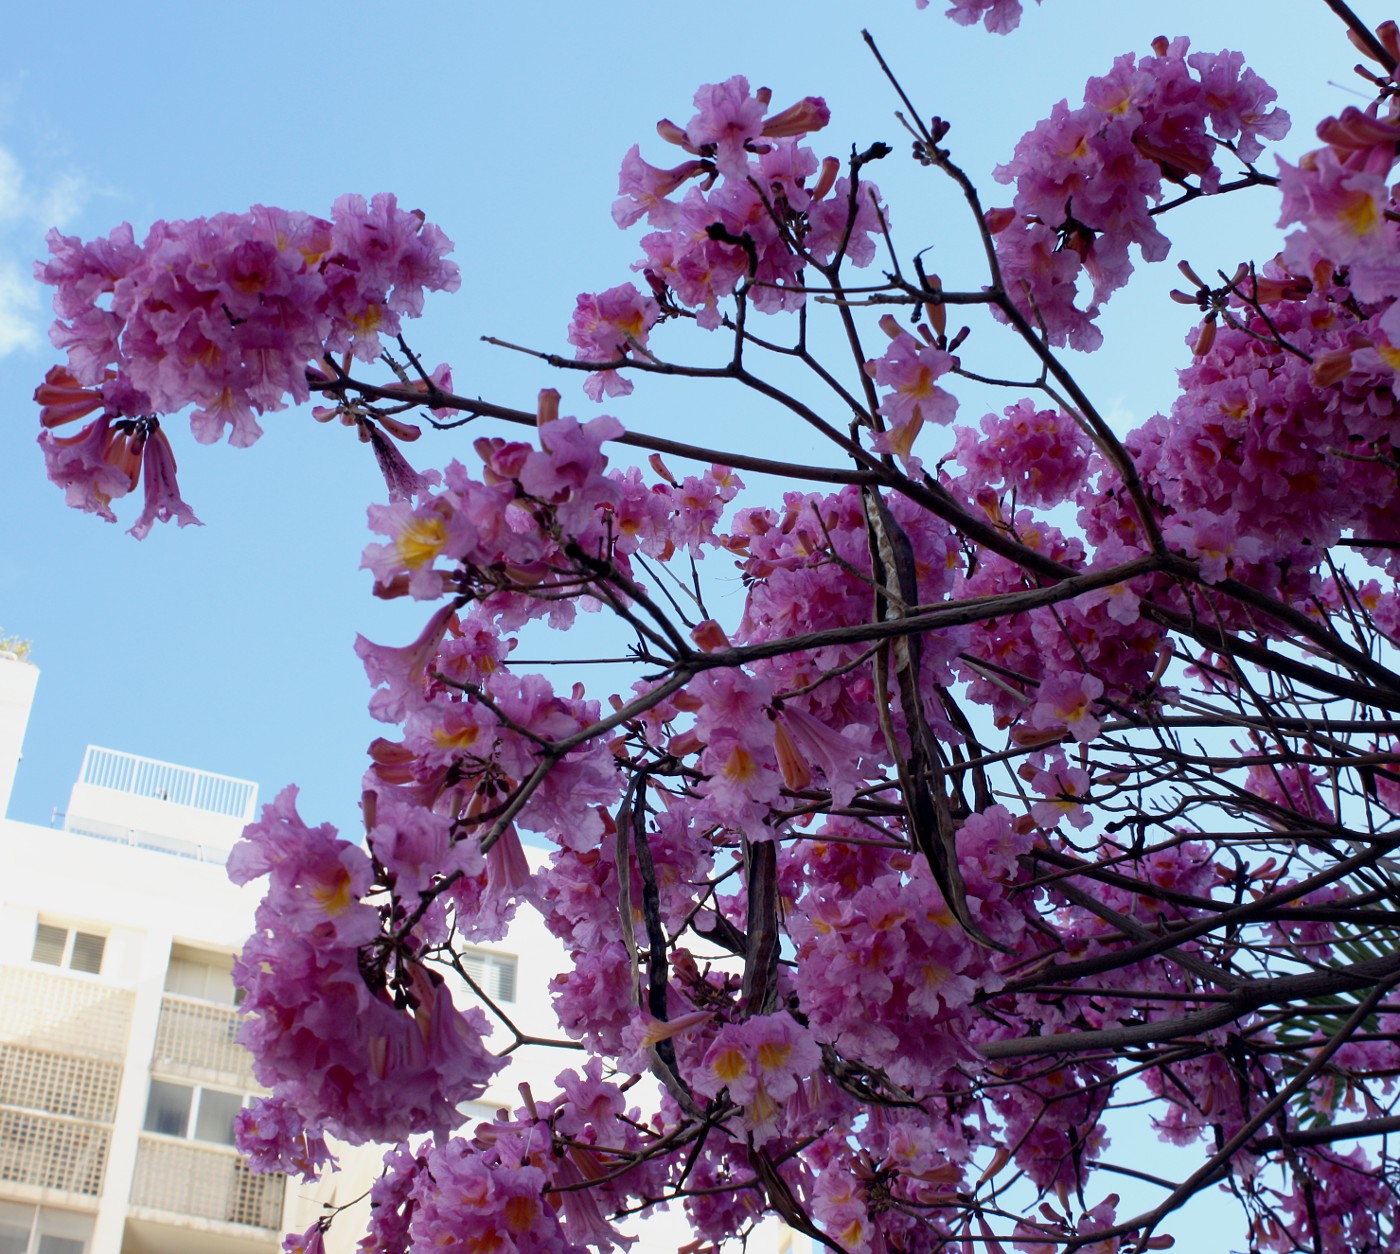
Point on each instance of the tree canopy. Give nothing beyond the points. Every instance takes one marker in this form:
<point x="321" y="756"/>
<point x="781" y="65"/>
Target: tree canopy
<point x="1044" y="768"/>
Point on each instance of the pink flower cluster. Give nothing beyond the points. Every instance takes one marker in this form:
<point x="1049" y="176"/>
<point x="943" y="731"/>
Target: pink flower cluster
<point x="107" y="458"/>
<point x="883" y="972"/>
<point x="333" y="1013"/>
<point x="226" y="314"/>
<point x="1086" y="178"/>
<point x="802" y="567"/>
<point x="1268" y="457"/>
<point x="1050" y="671"/>
<point x="1038" y="456"/>
<point x="273" y="1136"/>
<point x="514" y="1186"/>
<point x="760" y="208"/>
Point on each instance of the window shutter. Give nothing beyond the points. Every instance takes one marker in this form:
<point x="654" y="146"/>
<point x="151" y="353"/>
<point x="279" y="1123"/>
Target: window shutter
<point x="87" y="952"/>
<point x="49" y="943"/>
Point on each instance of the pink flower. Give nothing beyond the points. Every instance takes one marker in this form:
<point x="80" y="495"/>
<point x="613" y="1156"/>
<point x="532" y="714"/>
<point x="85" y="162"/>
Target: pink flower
<point x="909" y="368"/>
<point x="1064" y="788"/>
<point x="1000" y="17"/>
<point x="643" y="189"/>
<point x="415" y="846"/>
<point x="163" y="500"/>
<point x="93" y="467"/>
<point x="1066" y="702"/>
<point x="1241" y="103"/>
<point x="63" y="399"/>
<point x="609" y="326"/>
<point x="312" y="1241"/>
<point x="729" y="119"/>
<point x="567" y="471"/>
<point x="403" y="671"/>
<point x="829" y="218"/>
<point x="1219" y="542"/>
<point x="760" y="1062"/>
<point x="1343" y="206"/>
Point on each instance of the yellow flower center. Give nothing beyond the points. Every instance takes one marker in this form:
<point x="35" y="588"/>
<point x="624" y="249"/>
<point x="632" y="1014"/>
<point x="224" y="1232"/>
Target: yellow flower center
<point x="421" y="541"/>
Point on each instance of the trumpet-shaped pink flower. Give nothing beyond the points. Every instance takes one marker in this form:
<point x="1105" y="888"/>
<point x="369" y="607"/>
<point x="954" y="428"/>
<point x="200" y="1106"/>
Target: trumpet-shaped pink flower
<point x="910" y="369"/>
<point x="163" y="500"/>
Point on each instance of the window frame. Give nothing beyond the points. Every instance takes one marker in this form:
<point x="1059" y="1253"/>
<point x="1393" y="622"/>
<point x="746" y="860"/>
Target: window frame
<point x="196" y="1107"/>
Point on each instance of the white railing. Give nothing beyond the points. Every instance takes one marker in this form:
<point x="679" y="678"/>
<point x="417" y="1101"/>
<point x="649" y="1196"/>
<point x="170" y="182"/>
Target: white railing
<point x="205" y="1182"/>
<point x="44" y="1152"/>
<point x="200" y="1036"/>
<point x="139" y="838"/>
<point x="165" y="781"/>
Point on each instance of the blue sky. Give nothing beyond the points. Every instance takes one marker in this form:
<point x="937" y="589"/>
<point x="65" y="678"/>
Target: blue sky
<point x="228" y="647"/>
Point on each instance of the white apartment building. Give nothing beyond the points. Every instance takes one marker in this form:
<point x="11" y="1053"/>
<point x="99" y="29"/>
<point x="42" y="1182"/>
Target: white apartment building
<point x="119" y="1070"/>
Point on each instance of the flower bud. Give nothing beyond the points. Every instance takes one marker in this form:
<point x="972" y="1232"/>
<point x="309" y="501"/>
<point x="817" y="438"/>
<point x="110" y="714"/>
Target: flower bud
<point x="1205" y="337"/>
<point x="547" y="407"/>
<point x="808" y="114"/>
<point x="999" y="219"/>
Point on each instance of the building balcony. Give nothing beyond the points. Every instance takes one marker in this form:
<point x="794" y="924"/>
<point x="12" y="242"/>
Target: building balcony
<point x="68" y="1085"/>
<point x="65" y="1013"/>
<point x="199" y="1039"/>
<point x="204" y="1186"/>
<point x="44" y="1155"/>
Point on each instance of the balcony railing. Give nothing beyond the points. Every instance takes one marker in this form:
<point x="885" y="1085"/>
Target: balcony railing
<point x="164" y="781"/>
<point x="199" y="1036"/>
<point x="64" y="1012"/>
<point x="143" y="838"/>
<point x="47" y="1152"/>
<point x="59" y="1084"/>
<point x="205" y="1182"/>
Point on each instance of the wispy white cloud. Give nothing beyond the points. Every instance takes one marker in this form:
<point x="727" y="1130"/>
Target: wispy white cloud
<point x="23" y="203"/>
<point x="62" y="201"/>
<point x="11" y="186"/>
<point x="26" y="210"/>
<point x="21" y="310"/>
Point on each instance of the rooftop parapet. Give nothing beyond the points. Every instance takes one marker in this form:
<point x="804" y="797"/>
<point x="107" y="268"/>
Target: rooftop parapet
<point x="159" y="805"/>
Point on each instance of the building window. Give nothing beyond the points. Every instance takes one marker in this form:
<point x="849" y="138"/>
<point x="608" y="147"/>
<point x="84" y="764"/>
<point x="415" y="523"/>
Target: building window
<point x="201" y="977"/>
<point x="494" y="972"/>
<point x="40" y="1230"/>
<point x="191" y="1112"/>
<point x="67" y="947"/>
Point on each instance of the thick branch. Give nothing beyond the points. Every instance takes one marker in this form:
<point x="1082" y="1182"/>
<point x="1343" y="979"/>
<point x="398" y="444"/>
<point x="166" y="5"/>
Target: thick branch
<point x="1248" y="998"/>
